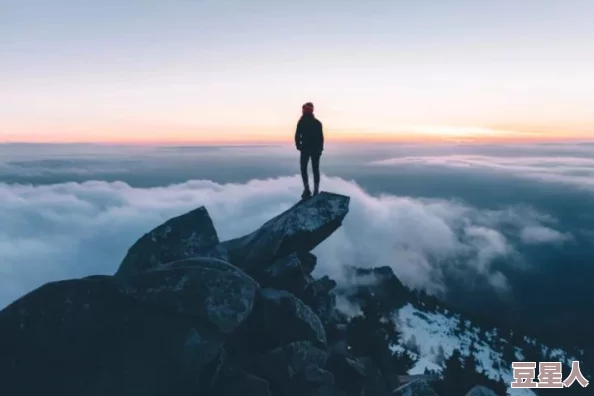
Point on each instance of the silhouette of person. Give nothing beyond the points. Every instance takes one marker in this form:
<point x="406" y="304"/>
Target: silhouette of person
<point x="309" y="140"/>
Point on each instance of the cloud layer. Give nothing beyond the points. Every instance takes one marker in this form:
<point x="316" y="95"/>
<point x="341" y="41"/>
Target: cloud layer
<point x="577" y="172"/>
<point x="70" y="230"/>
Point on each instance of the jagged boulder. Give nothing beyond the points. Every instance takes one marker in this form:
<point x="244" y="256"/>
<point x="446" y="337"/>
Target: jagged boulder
<point x="287" y="314"/>
<point x="204" y="262"/>
<point x="291" y="265"/>
<point x="374" y="383"/>
<point x="348" y="373"/>
<point x="415" y="388"/>
<point x="381" y="282"/>
<point x="191" y="234"/>
<point x="279" y="318"/>
<point x="287" y="368"/>
<point x="185" y="315"/>
<point x="217" y="294"/>
<point x="291" y="273"/>
<point x="480" y="391"/>
<point x="83" y="337"/>
<point x="244" y="384"/>
<point x="299" y="229"/>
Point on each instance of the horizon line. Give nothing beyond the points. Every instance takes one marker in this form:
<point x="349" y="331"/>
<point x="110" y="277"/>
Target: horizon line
<point x="283" y="142"/>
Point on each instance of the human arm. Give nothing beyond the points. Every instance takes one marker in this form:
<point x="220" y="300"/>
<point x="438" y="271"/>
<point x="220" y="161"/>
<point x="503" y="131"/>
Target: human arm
<point x="298" y="136"/>
<point x="321" y="137"/>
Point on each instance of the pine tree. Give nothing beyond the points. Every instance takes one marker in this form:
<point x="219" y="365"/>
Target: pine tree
<point x="440" y="356"/>
<point x="509" y="353"/>
<point x="453" y="376"/>
<point x="461" y="328"/>
<point x="412" y="345"/>
<point x="472" y="348"/>
<point x="403" y="361"/>
<point x="470" y="366"/>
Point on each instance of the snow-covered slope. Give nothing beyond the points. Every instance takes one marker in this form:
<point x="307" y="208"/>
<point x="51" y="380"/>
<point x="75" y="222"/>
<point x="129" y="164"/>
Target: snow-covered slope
<point x="435" y="334"/>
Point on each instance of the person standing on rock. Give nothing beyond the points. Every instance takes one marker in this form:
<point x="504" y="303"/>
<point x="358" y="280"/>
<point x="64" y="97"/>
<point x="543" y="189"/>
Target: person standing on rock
<point x="309" y="140"/>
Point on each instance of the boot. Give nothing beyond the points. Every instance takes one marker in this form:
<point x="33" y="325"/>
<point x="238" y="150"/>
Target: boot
<point x="306" y="193"/>
<point x="316" y="189"/>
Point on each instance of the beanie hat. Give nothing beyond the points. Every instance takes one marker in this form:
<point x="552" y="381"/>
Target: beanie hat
<point x="308" y="107"/>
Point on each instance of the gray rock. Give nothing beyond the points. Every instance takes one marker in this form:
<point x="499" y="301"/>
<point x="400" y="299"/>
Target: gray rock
<point x="374" y="383"/>
<point x="331" y="391"/>
<point x="285" y="266"/>
<point x="291" y="319"/>
<point x="280" y="365"/>
<point x="349" y="374"/>
<point x="480" y="391"/>
<point x="415" y="388"/>
<point x="291" y="273"/>
<point x="203" y="262"/>
<point x="324" y="306"/>
<point x="215" y="292"/>
<point x="314" y="375"/>
<point x="299" y="229"/>
<point x="243" y="384"/>
<point x="82" y="337"/>
<point x="191" y="234"/>
<point x="307" y="380"/>
<point x="322" y="285"/>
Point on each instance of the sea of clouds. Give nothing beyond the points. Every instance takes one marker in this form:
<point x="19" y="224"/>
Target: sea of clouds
<point x="68" y="230"/>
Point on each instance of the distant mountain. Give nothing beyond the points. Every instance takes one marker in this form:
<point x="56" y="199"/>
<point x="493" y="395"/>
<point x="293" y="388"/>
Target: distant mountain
<point x="431" y="332"/>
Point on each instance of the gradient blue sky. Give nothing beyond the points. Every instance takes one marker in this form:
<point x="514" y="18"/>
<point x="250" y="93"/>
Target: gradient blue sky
<point x="239" y="70"/>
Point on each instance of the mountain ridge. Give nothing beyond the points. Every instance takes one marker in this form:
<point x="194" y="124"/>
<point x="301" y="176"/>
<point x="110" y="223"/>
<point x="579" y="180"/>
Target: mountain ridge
<point x="187" y="313"/>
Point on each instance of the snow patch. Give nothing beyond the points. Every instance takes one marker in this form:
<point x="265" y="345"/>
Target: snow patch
<point x="434" y="330"/>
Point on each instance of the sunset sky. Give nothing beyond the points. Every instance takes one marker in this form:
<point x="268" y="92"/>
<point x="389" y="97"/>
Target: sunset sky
<point x="149" y="71"/>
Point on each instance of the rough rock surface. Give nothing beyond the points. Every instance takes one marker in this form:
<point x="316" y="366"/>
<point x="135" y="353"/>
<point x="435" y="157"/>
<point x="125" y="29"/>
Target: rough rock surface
<point x="223" y="298"/>
<point x="286" y="314"/>
<point x="480" y="391"/>
<point x="180" y="237"/>
<point x="299" y="229"/>
<point x="82" y="337"/>
<point x="243" y="384"/>
<point x="415" y="388"/>
<point x="186" y="315"/>
<point x="282" y="364"/>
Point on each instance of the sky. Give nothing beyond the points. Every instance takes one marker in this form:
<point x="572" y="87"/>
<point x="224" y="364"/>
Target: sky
<point x="230" y="71"/>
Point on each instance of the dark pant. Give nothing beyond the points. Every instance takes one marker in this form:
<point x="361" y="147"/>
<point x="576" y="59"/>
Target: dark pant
<point x="315" y="164"/>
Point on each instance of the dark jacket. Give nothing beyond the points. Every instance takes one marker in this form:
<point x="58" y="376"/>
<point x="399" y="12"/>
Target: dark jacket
<point x="309" y="136"/>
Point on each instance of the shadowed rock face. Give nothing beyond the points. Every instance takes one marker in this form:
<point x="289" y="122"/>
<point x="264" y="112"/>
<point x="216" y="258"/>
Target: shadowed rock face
<point x="299" y="229"/>
<point x="82" y="337"/>
<point x="280" y="365"/>
<point x="293" y="316"/>
<point x="415" y="388"/>
<point x="480" y="391"/>
<point x="222" y="298"/>
<point x="186" y="315"/>
<point x="178" y="238"/>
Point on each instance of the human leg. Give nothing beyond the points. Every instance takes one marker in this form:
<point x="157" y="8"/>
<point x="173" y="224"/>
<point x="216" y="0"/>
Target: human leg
<point x="315" y="164"/>
<point x="304" y="160"/>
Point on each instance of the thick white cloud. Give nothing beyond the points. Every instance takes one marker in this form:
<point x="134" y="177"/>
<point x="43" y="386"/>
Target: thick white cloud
<point x="536" y="235"/>
<point x="60" y="231"/>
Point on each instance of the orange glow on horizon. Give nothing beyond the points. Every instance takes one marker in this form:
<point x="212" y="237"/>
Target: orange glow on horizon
<point x="186" y="135"/>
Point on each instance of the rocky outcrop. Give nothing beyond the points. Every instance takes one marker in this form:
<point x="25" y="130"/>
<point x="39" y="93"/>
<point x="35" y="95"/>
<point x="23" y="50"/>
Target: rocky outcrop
<point x="183" y="236"/>
<point x="186" y="315"/>
<point x="297" y="230"/>
<point x="415" y="388"/>
<point x="220" y="297"/>
<point x="480" y="391"/>
<point x="83" y="337"/>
